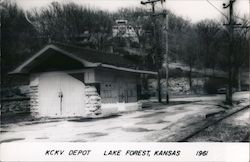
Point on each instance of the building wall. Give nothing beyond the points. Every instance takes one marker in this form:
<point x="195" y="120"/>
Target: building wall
<point x="89" y="76"/>
<point x="44" y="86"/>
<point x="116" y="86"/>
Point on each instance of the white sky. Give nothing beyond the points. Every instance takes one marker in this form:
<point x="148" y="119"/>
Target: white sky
<point x="194" y="10"/>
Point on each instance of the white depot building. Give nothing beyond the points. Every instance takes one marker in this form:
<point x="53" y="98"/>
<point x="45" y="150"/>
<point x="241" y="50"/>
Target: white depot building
<point x="69" y="81"/>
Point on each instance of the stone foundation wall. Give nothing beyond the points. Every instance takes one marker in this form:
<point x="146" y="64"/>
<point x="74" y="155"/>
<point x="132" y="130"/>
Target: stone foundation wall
<point x="25" y="102"/>
<point x="93" y="102"/>
<point x="33" y="94"/>
<point x="14" y="100"/>
<point x="15" y="106"/>
<point x="178" y="86"/>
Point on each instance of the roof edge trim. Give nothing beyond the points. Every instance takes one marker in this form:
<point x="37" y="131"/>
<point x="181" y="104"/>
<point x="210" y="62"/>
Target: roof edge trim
<point x="19" y="69"/>
<point x="128" y="69"/>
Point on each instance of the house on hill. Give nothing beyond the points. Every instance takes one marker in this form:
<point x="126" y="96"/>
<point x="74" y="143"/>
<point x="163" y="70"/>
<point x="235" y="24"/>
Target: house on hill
<point x="123" y="29"/>
<point x="69" y="81"/>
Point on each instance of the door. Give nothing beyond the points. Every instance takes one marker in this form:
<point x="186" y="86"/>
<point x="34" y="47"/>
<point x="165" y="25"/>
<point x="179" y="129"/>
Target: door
<point x="123" y="92"/>
<point x="61" y="95"/>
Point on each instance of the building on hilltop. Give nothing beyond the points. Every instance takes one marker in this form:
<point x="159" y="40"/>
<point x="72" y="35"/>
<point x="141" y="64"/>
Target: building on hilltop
<point x="123" y="29"/>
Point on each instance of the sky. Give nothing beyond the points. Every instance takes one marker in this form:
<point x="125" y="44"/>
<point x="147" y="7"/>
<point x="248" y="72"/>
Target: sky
<point x="194" y="10"/>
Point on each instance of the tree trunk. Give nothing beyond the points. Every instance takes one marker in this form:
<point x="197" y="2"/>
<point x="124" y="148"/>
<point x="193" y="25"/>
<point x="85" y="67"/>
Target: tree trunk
<point x="239" y="79"/>
<point x="190" y="78"/>
<point x="229" y="95"/>
<point x="213" y="74"/>
<point x="159" y="86"/>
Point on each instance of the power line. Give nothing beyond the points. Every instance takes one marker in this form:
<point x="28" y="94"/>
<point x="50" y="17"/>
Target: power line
<point x="222" y="12"/>
<point x="216" y="8"/>
<point x="240" y="18"/>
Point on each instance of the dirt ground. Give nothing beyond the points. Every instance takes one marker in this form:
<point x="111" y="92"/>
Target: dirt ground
<point x="234" y="129"/>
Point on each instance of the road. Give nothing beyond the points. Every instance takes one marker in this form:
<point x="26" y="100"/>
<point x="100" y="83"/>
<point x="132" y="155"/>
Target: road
<point x="164" y="123"/>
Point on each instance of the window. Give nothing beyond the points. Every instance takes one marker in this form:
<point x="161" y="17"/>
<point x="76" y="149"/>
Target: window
<point x="106" y="90"/>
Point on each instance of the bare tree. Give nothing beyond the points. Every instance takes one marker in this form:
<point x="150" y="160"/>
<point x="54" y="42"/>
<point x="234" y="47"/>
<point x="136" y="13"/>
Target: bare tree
<point x="70" y="23"/>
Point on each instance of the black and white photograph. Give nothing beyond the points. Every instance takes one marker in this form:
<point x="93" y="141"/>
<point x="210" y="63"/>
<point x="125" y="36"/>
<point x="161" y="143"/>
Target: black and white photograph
<point x="125" y="71"/>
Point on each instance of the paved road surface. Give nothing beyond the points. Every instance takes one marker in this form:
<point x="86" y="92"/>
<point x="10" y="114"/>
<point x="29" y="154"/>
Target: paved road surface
<point x="159" y="123"/>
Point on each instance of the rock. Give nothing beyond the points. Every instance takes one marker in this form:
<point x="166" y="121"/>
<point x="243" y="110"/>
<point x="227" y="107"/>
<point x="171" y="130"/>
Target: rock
<point x="93" y="102"/>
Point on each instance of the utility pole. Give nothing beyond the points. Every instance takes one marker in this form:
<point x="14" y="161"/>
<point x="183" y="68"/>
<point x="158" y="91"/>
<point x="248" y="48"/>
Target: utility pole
<point x="230" y="24"/>
<point x="166" y="58"/>
<point x="153" y="2"/>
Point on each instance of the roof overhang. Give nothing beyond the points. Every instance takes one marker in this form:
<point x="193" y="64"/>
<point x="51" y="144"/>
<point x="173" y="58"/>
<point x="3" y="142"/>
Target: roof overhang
<point x="128" y="69"/>
<point x="21" y="68"/>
